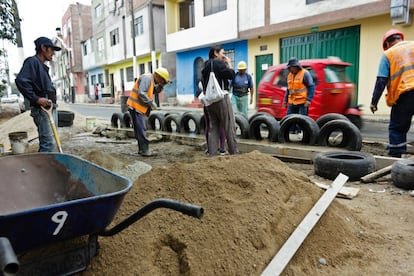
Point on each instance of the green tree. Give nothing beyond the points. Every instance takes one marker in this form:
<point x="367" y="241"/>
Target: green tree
<point x="8" y="17"/>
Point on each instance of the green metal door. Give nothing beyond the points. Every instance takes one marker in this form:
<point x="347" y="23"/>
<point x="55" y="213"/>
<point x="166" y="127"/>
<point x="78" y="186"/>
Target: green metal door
<point x="262" y="63"/>
<point x="343" y="43"/>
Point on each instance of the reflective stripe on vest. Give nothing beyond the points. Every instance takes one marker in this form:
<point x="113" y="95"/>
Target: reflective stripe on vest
<point x="297" y="89"/>
<point x="401" y="59"/>
<point x="135" y="102"/>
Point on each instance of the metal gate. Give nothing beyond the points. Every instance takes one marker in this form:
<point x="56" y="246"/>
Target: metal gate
<point x="343" y="43"/>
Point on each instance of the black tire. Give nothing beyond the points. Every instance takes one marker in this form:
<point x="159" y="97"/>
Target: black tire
<point x="126" y="120"/>
<point x="308" y="126"/>
<point x="117" y="120"/>
<point x="351" y="135"/>
<point x="284" y="119"/>
<point x="172" y="118"/>
<point x="258" y="114"/>
<point x="356" y="120"/>
<point x="155" y="117"/>
<point x="354" y="164"/>
<point x="187" y="118"/>
<point x="321" y="121"/>
<point x="65" y="118"/>
<point x="402" y="174"/>
<point x="271" y="124"/>
<point x="242" y="124"/>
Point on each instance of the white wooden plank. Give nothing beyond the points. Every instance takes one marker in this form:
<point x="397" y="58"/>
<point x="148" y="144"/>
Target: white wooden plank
<point x="289" y="248"/>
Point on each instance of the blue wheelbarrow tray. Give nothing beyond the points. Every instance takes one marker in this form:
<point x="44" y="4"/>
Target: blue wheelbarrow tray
<point x="50" y="197"/>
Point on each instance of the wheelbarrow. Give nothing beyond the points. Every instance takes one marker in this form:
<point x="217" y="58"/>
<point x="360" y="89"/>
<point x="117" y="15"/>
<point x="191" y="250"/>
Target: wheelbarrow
<point x="48" y="198"/>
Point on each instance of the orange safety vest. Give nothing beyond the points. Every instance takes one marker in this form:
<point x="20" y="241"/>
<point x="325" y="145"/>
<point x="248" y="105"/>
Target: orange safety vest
<point x="401" y="58"/>
<point x="297" y="89"/>
<point x="134" y="100"/>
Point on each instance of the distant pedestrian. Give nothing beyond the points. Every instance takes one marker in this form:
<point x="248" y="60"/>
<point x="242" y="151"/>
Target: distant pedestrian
<point x="96" y="91"/>
<point x="242" y="88"/>
<point x="220" y="113"/>
<point x="35" y="84"/>
<point x="396" y="72"/>
<point x="140" y="103"/>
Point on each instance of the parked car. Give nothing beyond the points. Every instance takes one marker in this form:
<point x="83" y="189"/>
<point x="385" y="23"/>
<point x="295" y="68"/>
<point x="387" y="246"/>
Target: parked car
<point x="14" y="98"/>
<point x="334" y="91"/>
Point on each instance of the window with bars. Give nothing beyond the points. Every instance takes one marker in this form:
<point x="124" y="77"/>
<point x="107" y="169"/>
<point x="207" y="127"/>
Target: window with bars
<point x="130" y="73"/>
<point x="138" y="26"/>
<point x="114" y="35"/>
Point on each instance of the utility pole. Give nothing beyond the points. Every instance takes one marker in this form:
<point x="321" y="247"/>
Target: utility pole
<point x="134" y="58"/>
<point x="152" y="40"/>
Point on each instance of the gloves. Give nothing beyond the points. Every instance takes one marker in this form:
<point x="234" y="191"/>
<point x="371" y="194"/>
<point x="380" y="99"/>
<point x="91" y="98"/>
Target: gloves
<point x="153" y="106"/>
<point x="373" y="108"/>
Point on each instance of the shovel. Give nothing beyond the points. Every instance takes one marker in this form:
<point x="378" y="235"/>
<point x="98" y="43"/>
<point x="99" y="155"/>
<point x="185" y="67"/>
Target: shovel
<point x="53" y="126"/>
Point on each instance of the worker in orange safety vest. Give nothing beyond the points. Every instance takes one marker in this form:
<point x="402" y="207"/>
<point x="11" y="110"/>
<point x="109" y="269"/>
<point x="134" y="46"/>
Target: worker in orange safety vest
<point x="140" y="103"/>
<point x="396" y="72"/>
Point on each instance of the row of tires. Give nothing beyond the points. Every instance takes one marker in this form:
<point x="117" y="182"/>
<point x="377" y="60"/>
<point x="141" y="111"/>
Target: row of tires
<point x="334" y="130"/>
<point x="358" y="164"/>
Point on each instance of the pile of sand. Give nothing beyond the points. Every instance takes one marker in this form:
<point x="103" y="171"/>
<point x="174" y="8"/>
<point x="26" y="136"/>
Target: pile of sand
<point x="252" y="203"/>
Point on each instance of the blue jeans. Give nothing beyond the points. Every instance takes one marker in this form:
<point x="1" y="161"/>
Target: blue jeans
<point x="400" y="123"/>
<point x="41" y="119"/>
<point x="297" y="109"/>
<point x="240" y="104"/>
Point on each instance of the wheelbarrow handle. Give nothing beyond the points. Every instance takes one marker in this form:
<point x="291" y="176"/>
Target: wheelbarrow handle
<point x="53" y="126"/>
<point x="187" y="209"/>
<point x="9" y="265"/>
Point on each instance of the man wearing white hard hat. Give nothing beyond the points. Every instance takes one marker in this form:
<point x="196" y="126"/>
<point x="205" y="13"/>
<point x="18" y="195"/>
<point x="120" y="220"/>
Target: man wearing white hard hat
<point x="140" y="103"/>
<point x="242" y="85"/>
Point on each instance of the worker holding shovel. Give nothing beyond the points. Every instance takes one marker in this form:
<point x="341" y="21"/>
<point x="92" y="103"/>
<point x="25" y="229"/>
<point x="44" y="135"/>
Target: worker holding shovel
<point x="35" y="84"/>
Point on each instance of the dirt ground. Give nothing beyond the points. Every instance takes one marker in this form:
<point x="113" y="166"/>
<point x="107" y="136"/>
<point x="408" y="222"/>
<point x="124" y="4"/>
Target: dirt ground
<point x="252" y="203"/>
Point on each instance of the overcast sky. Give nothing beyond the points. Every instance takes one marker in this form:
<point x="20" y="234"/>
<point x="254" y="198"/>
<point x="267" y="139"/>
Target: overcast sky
<point x="39" y="18"/>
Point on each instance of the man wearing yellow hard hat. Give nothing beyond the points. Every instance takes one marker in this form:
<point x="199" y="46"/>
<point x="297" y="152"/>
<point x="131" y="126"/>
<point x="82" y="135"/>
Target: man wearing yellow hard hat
<point x="242" y="86"/>
<point x="140" y="103"/>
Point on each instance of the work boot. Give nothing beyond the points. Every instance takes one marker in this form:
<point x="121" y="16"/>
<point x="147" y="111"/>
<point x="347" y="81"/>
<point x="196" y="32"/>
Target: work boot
<point x="146" y="153"/>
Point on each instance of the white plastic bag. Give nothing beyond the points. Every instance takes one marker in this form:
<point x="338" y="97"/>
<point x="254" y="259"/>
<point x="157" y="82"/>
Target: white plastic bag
<point x="214" y="93"/>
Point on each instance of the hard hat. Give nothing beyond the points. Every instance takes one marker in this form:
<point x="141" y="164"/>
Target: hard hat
<point x="163" y="73"/>
<point x="293" y="62"/>
<point x="241" y="65"/>
<point x="389" y="34"/>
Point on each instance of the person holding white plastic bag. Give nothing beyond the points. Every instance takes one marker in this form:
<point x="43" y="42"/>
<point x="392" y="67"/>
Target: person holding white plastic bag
<point x="220" y="113"/>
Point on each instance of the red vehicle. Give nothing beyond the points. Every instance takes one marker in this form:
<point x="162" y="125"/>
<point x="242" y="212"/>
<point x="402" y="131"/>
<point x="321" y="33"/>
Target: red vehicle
<point x="334" y="91"/>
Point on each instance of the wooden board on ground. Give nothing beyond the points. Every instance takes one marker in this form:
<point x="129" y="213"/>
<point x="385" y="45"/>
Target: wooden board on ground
<point x="289" y="248"/>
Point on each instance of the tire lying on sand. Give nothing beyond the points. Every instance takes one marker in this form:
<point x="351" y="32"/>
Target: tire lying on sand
<point x="156" y="120"/>
<point x="347" y="135"/>
<point x="267" y="122"/>
<point x="242" y="125"/>
<point x="402" y="174"/>
<point x="321" y="121"/>
<point x="117" y="120"/>
<point x="169" y="120"/>
<point x="65" y="118"/>
<point x="354" y="164"/>
<point x="190" y="122"/>
<point x="309" y="127"/>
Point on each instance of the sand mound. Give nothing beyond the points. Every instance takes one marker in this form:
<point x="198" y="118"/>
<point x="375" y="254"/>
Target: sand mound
<point x="252" y="203"/>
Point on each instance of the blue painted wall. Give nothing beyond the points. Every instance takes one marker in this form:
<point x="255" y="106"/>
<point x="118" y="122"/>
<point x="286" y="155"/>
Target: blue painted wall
<point x="185" y="64"/>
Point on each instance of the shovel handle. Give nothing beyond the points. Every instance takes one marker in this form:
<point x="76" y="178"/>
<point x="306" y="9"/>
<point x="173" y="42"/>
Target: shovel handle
<point x="53" y="126"/>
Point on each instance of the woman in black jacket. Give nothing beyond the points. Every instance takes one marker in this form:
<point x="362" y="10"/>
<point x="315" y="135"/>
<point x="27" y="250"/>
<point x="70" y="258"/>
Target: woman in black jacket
<point x="220" y="114"/>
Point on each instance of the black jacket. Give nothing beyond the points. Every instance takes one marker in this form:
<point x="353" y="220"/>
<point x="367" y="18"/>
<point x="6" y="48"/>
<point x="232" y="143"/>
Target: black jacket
<point x="222" y="72"/>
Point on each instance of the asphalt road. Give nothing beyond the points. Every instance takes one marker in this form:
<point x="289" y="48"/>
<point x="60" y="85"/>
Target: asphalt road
<point x="373" y="128"/>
